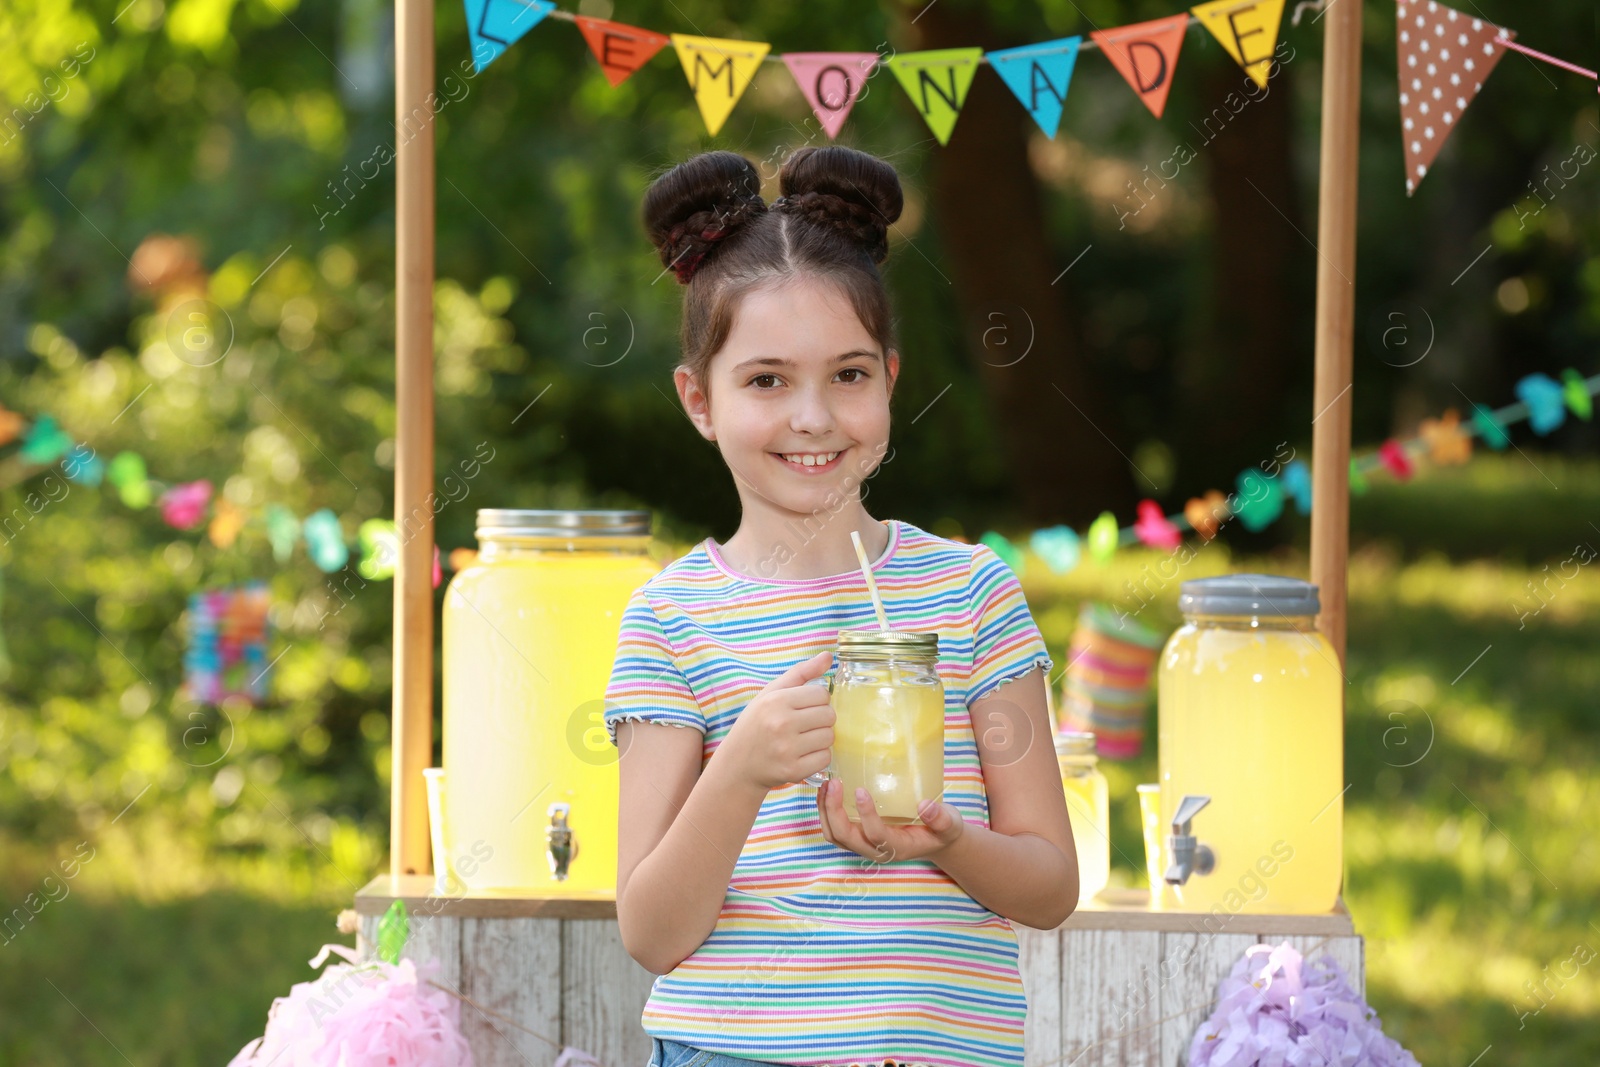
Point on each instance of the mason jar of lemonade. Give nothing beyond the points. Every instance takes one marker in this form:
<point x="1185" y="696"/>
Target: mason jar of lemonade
<point x="530" y="631"/>
<point x="1088" y="809"/>
<point x="1251" y="716"/>
<point x="888" y="731"/>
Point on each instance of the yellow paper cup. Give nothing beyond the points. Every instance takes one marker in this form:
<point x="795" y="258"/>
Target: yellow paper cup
<point x="1150" y="818"/>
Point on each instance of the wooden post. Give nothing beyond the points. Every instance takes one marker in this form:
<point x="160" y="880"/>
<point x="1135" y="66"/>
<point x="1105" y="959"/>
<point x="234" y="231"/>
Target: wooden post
<point x="1336" y="297"/>
<point x="412" y="728"/>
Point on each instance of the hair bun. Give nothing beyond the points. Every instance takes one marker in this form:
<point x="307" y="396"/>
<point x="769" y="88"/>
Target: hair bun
<point x="846" y="188"/>
<point x="699" y="203"/>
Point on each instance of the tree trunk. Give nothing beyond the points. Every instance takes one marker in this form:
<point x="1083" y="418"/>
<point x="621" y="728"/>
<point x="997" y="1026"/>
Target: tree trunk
<point x="1255" y="342"/>
<point x="1061" y="439"/>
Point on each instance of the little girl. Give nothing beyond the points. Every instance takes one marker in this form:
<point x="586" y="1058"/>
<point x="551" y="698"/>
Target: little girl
<point x="781" y="931"/>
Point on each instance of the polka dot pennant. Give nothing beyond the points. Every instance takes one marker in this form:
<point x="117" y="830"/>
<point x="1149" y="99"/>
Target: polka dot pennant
<point x="1444" y="58"/>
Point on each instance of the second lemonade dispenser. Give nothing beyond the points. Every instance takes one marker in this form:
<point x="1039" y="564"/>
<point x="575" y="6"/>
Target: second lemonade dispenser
<point x="1251" y="737"/>
<point x="530" y="633"/>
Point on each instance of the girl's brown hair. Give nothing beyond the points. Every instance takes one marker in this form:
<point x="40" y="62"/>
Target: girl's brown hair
<point x="712" y="229"/>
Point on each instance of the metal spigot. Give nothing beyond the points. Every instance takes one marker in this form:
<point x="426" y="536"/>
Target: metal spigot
<point x="1189" y="856"/>
<point x="560" y="845"/>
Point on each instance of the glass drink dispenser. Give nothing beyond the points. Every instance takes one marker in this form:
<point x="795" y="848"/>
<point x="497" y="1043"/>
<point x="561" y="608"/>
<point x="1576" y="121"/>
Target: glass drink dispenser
<point x="530" y="632"/>
<point x="1251" y="736"/>
<point x="1088" y="809"/>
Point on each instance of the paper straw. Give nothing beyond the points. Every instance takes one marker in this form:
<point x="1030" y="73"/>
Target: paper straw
<point x="872" y="586"/>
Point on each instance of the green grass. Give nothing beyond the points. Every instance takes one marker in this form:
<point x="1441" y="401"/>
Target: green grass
<point x="1469" y="871"/>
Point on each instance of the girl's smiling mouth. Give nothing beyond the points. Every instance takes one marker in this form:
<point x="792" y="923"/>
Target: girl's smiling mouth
<point x="811" y="463"/>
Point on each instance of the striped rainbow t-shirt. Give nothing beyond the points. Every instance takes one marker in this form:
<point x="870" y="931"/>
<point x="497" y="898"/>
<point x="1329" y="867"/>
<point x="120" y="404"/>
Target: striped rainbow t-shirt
<point x="820" y="956"/>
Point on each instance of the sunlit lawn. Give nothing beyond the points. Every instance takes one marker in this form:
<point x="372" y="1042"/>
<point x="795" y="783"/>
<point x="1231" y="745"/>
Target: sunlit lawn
<point x="1471" y="821"/>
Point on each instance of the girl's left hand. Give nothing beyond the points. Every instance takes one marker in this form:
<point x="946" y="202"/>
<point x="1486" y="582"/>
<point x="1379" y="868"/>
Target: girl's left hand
<point x="941" y="826"/>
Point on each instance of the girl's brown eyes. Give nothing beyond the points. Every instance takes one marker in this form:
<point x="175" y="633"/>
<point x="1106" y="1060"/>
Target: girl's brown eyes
<point x="861" y="376"/>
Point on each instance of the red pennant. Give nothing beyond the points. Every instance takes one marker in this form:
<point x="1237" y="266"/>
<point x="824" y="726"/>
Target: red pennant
<point x="832" y="83"/>
<point x="1444" y="57"/>
<point x="620" y="49"/>
<point x="1146" y="54"/>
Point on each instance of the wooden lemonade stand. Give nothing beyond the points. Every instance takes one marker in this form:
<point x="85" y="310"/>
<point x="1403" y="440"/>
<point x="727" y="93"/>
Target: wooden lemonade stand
<point x="1117" y="983"/>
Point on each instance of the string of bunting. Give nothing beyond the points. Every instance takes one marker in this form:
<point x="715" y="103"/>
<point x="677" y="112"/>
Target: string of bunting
<point x="195" y="505"/>
<point x="1444" y="56"/>
<point x="1260" y="497"/>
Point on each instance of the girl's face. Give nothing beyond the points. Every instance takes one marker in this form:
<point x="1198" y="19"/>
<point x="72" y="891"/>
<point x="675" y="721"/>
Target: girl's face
<point x="798" y="379"/>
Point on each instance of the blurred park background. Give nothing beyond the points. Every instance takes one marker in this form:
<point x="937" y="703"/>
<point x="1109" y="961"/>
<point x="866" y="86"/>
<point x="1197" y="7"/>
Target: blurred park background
<point x="220" y="843"/>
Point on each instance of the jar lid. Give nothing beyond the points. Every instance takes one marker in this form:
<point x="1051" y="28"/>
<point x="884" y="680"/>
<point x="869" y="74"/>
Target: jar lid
<point x="528" y="522"/>
<point x="1075" y="743"/>
<point x="1248" y="594"/>
<point x="880" y="644"/>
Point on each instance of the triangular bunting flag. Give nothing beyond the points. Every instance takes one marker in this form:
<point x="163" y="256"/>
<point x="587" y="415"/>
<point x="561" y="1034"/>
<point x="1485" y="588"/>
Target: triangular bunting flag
<point x="1444" y="57"/>
<point x="620" y="49"/>
<point x="719" y="71"/>
<point x="832" y="82"/>
<point x="1248" y="29"/>
<point x="937" y="82"/>
<point x="1039" y="74"/>
<point x="495" y="25"/>
<point x="1146" y="54"/>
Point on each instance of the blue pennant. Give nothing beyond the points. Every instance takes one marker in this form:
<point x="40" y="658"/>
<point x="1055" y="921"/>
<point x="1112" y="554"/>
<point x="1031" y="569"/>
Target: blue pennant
<point x="1039" y="74"/>
<point x="495" y="25"/>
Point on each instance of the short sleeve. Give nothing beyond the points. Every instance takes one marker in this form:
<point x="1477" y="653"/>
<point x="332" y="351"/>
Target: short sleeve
<point x="647" y="683"/>
<point x="1006" y="643"/>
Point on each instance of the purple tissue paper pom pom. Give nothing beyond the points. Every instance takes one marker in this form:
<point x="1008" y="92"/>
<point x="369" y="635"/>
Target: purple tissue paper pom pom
<point x="1277" y="1010"/>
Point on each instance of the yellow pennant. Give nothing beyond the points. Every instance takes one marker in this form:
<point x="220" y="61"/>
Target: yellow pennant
<point x="1248" y="29"/>
<point x="937" y="82"/>
<point x="719" y="70"/>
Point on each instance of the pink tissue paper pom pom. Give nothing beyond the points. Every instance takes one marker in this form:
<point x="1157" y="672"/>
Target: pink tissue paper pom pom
<point x="374" y="1014"/>
<point x="184" y="505"/>
<point x="1276" y="1010"/>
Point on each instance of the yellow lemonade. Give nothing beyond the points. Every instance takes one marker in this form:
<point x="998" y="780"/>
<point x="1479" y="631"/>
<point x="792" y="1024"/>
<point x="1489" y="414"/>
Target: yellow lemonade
<point x="530" y="633"/>
<point x="1089" y="812"/>
<point x="889" y="737"/>
<point x="1251" y="715"/>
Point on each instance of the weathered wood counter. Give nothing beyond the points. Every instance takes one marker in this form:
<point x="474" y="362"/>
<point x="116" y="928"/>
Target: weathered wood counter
<point x="1117" y="983"/>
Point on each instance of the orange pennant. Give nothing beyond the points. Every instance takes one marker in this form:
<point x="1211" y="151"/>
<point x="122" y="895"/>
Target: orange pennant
<point x="1146" y="54"/>
<point x="620" y="49"/>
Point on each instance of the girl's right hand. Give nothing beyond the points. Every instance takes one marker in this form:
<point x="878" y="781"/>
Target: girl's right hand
<point x="785" y="733"/>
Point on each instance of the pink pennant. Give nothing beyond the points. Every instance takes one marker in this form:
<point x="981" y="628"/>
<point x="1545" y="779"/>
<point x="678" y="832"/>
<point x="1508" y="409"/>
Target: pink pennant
<point x="1444" y="56"/>
<point x="832" y="83"/>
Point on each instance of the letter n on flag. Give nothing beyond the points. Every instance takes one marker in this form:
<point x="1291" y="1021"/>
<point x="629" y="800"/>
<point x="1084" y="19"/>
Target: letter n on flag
<point x="719" y="70"/>
<point x="1146" y="54"/>
<point x="832" y="83"/>
<point x="1039" y="75"/>
<point x="620" y="49"/>
<point x="937" y="82"/>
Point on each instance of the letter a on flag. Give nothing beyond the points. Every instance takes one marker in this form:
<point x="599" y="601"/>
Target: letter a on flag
<point x="620" y="49"/>
<point x="1039" y="74"/>
<point x="1249" y="31"/>
<point x="495" y="25"/>
<point x="832" y="83"/>
<point x="937" y="82"/>
<point x="1146" y="54"/>
<point x="719" y="71"/>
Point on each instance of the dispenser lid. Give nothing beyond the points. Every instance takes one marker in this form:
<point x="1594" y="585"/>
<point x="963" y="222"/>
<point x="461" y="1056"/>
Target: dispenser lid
<point x="530" y="522"/>
<point x="1248" y="594"/>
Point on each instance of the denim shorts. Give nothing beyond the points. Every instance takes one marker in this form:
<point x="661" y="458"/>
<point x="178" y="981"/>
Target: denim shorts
<point x="665" y="1053"/>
